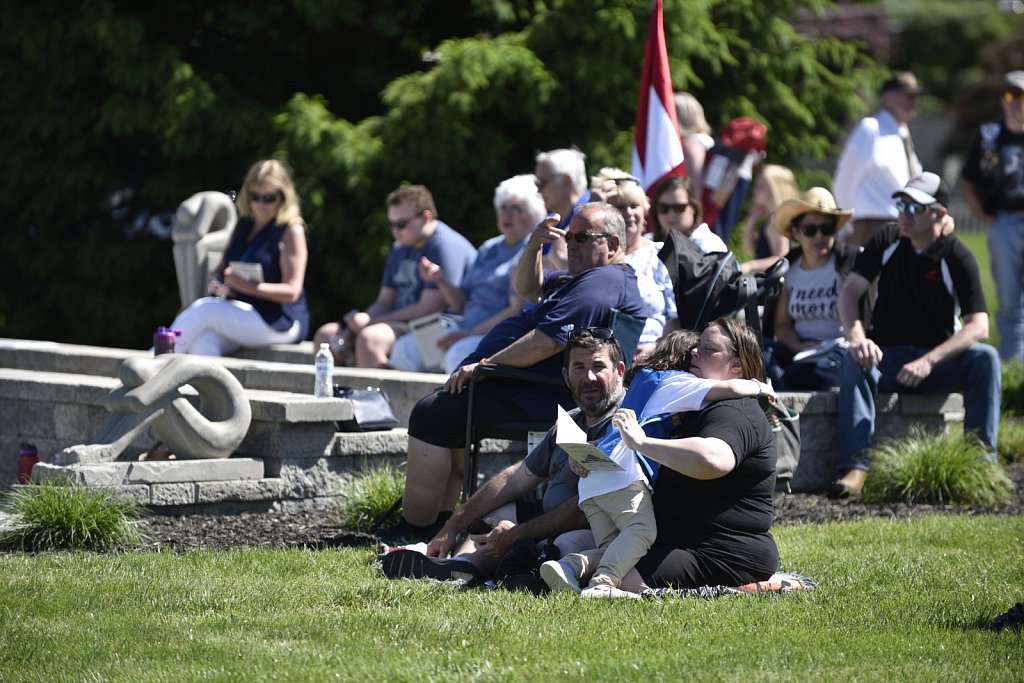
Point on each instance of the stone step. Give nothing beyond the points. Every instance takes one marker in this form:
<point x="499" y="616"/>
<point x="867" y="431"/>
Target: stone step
<point x="299" y="354"/>
<point x="55" y="410"/>
<point x="403" y="388"/>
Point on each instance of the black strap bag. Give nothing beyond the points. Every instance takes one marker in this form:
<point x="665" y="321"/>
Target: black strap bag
<point x="371" y="409"/>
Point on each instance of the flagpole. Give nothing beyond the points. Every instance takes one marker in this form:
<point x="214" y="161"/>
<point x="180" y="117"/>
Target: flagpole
<point x="658" y="148"/>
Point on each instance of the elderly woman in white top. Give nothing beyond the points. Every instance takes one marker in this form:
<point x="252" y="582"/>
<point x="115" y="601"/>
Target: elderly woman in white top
<point x="624" y="192"/>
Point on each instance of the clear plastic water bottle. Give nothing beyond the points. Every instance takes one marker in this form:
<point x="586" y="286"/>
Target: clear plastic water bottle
<point x="324" y="386"/>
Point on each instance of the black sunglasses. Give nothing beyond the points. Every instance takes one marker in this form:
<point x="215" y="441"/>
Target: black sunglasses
<point x="269" y="198"/>
<point x="400" y="224"/>
<point x="913" y="208"/>
<point x="605" y="333"/>
<point x="584" y="237"/>
<point x="678" y="208"/>
<point x="812" y="229"/>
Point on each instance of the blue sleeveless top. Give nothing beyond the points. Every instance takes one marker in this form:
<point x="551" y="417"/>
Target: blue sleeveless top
<point x="265" y="250"/>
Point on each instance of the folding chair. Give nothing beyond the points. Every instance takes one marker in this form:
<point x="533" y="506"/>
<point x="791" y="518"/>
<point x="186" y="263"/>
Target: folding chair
<point x="627" y="329"/>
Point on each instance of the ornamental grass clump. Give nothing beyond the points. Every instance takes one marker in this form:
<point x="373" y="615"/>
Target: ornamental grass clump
<point x="371" y="493"/>
<point x="1013" y="387"/>
<point x="938" y="469"/>
<point x="68" y="517"/>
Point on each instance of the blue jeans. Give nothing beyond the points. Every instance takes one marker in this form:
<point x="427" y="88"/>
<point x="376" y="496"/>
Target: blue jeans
<point x="1006" y="248"/>
<point x="975" y="373"/>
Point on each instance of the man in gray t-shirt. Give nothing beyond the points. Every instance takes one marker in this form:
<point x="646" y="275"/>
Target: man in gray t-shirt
<point x="535" y="499"/>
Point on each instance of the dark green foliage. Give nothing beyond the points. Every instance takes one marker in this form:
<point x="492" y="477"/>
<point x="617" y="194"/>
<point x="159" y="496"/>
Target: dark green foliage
<point x="936" y="468"/>
<point x="68" y="517"/>
<point x="115" y="113"/>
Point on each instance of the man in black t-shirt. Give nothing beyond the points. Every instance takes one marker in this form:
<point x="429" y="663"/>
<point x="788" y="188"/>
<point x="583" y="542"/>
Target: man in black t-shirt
<point x="915" y="342"/>
<point x="993" y="186"/>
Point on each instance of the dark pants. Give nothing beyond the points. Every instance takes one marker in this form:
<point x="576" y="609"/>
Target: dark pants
<point x="691" y="565"/>
<point x="440" y="418"/>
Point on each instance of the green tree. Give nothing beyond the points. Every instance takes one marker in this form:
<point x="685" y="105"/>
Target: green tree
<point x="118" y="112"/>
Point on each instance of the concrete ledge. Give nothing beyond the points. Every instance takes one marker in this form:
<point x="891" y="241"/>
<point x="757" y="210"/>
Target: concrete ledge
<point x="55" y="410"/>
<point x="150" y="472"/>
<point x="298" y="354"/>
<point x="896" y="414"/>
<point x="53" y="396"/>
<point x="258" y="371"/>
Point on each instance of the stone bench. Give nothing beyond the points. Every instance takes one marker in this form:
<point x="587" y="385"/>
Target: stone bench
<point x="52" y="395"/>
<point x="897" y="413"/>
<point x="256" y="371"/>
<point x="292" y="456"/>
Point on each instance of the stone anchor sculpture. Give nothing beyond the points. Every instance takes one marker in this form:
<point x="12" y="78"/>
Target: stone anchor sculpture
<point x="150" y="396"/>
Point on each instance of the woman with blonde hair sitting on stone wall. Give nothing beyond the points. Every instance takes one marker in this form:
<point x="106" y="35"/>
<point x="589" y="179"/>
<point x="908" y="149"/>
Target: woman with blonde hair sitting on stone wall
<point x="262" y="302"/>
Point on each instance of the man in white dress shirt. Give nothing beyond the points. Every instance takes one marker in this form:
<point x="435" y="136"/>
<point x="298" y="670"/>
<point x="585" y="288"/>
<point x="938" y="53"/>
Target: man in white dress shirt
<point x="878" y="159"/>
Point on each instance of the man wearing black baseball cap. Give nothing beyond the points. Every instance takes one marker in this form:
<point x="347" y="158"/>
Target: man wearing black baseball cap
<point x="993" y="186"/>
<point x="878" y="158"/>
<point x="927" y="281"/>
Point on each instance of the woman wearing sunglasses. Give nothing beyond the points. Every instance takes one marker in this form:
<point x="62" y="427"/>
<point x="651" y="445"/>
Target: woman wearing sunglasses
<point x="265" y="302"/>
<point x="677" y="207"/>
<point x="806" y="315"/>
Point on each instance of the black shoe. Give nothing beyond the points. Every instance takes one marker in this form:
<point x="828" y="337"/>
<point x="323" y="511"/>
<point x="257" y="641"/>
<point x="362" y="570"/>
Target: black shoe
<point x="521" y="560"/>
<point x="526" y="583"/>
<point x="409" y="564"/>
<point x="404" y="533"/>
<point x="1012" y="619"/>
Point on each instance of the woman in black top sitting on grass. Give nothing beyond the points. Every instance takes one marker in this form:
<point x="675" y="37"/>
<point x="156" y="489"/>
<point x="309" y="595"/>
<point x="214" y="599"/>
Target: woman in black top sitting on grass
<point x="713" y="495"/>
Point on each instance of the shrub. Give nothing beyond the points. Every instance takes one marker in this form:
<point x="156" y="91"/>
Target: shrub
<point x="1013" y="387"/>
<point x="1011" y="441"/>
<point x="371" y="493"/>
<point x="931" y="468"/>
<point x="68" y="517"/>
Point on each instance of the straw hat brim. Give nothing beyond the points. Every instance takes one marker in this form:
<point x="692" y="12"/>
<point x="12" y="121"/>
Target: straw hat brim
<point x="792" y="208"/>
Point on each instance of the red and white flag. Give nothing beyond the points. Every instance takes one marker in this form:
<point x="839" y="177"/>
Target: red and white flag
<point x="658" y="149"/>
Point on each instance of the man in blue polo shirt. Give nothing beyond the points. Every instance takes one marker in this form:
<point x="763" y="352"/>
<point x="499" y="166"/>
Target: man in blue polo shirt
<point x="599" y="280"/>
<point x="927" y="281"/>
<point x="403" y="295"/>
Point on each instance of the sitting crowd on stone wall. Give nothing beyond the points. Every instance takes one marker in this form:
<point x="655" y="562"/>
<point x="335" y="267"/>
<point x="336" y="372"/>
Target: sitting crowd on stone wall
<point x="880" y="295"/>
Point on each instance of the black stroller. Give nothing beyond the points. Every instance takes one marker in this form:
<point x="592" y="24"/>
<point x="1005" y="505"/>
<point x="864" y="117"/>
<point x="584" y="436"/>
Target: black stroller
<point x="709" y="286"/>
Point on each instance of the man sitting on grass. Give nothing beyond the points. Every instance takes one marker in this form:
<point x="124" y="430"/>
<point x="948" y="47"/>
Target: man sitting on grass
<point x="509" y="501"/>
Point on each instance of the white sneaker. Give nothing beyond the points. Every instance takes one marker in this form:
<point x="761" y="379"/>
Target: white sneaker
<point x="559" y="576"/>
<point x="605" y="591"/>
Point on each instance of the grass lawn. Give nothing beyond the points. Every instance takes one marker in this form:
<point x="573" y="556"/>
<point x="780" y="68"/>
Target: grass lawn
<point x="977" y="242"/>
<point x="899" y="600"/>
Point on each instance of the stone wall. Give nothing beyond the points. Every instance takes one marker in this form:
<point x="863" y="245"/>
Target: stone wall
<point x="292" y="436"/>
<point x="897" y="413"/>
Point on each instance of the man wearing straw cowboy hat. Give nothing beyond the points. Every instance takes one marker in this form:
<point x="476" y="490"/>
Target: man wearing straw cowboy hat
<point x="927" y="281"/>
